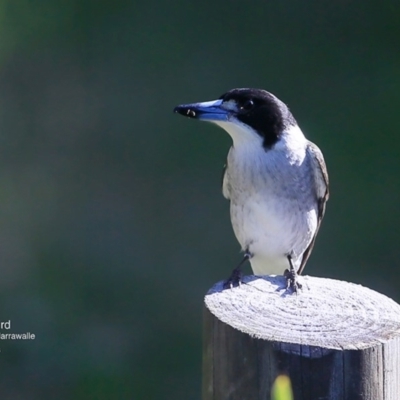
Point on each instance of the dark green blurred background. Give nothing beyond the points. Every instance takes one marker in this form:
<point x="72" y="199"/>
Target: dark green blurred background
<point x="112" y="223"/>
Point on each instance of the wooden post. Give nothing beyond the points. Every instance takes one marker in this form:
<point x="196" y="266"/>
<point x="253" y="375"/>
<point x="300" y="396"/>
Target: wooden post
<point x="335" y="340"/>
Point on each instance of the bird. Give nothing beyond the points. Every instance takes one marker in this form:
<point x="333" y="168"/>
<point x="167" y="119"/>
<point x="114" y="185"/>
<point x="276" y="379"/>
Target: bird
<point x="275" y="179"/>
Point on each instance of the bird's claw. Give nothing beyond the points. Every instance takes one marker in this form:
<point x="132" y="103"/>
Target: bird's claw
<point x="291" y="280"/>
<point x="234" y="280"/>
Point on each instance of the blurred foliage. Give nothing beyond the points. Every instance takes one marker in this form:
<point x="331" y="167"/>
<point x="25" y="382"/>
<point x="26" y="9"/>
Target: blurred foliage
<point x="282" y="388"/>
<point x="112" y="224"/>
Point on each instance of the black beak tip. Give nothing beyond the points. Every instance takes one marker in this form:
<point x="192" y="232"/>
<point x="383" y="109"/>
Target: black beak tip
<point x="178" y="109"/>
<point x="185" y="111"/>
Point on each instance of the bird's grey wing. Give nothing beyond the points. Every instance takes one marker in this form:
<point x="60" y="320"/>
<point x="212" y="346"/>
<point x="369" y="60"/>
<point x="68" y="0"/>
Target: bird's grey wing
<point x="224" y="182"/>
<point x="321" y="185"/>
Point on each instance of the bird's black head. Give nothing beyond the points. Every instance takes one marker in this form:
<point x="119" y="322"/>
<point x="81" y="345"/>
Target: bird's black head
<point x="260" y="110"/>
<point x="256" y="108"/>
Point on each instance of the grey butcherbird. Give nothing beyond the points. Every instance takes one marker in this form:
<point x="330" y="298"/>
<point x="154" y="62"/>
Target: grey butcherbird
<point x="276" y="181"/>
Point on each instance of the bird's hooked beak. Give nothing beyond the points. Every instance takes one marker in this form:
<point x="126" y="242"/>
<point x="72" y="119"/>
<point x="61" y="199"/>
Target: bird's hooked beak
<point x="206" y="111"/>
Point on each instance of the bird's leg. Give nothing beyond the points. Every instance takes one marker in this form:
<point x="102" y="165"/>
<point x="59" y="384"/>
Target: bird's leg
<point x="291" y="276"/>
<point x="236" y="276"/>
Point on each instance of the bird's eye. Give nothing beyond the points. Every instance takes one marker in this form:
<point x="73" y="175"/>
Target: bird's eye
<point x="247" y="105"/>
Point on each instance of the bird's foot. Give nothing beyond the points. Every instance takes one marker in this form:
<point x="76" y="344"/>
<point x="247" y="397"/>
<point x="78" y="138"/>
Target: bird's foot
<point x="235" y="279"/>
<point x="236" y="276"/>
<point x="291" y="280"/>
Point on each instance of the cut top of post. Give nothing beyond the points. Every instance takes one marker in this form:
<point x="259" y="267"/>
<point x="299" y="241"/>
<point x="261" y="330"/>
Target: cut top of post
<point x="325" y="313"/>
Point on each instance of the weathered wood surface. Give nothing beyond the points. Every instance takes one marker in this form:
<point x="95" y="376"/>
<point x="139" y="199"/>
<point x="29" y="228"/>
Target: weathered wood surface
<point x="335" y="340"/>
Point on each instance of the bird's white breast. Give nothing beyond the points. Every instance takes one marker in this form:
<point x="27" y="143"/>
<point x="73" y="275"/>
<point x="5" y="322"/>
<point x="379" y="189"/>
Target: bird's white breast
<point x="273" y="204"/>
